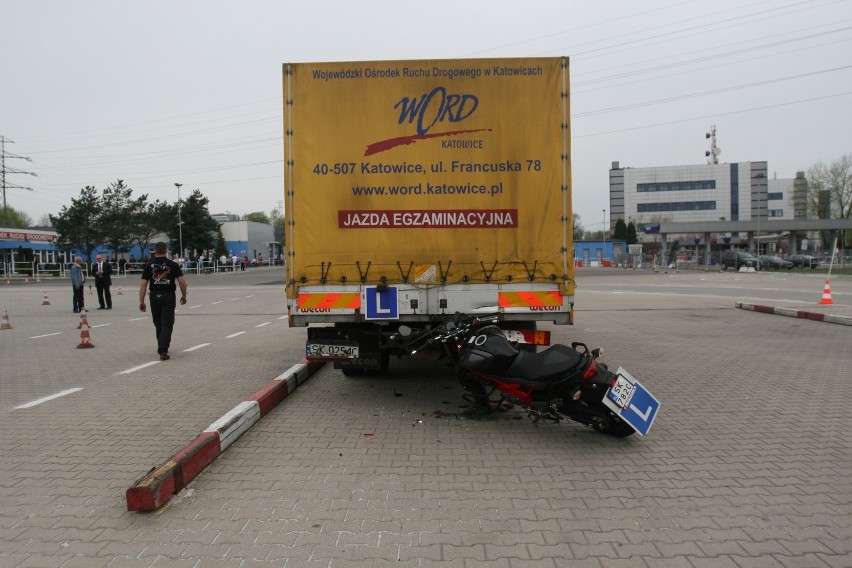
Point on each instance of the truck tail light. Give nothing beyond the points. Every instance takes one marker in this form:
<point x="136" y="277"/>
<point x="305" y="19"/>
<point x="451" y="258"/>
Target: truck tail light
<point x="537" y="337"/>
<point x="528" y="336"/>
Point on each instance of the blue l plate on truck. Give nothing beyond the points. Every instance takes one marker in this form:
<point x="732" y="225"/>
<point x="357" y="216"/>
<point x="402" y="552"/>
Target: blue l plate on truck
<point x="632" y="402"/>
<point x="381" y="302"/>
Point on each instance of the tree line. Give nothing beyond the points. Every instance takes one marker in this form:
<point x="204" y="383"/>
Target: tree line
<point x="114" y="218"/>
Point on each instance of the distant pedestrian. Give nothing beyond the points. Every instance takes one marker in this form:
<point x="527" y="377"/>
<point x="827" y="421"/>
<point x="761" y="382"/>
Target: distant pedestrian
<point x="103" y="280"/>
<point x="162" y="276"/>
<point x="78" y="279"/>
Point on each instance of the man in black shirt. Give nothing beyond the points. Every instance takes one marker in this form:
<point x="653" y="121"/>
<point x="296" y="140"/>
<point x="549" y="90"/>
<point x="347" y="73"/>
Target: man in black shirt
<point x="162" y="276"/>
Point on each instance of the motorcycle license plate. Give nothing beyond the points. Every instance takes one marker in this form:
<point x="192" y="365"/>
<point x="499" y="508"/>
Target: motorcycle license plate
<point x="622" y="392"/>
<point x="330" y="352"/>
<point x="632" y="402"/>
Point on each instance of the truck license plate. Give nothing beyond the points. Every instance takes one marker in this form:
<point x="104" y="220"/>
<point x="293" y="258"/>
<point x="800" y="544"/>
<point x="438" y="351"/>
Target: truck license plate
<point x="325" y="351"/>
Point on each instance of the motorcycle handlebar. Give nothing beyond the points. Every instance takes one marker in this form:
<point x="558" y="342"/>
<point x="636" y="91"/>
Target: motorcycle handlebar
<point x="453" y="329"/>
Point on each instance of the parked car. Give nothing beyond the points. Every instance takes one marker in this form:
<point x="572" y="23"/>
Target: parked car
<point x="737" y="259"/>
<point x="804" y="261"/>
<point x="772" y="261"/>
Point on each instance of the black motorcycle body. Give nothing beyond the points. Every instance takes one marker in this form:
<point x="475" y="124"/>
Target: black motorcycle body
<point x="558" y="382"/>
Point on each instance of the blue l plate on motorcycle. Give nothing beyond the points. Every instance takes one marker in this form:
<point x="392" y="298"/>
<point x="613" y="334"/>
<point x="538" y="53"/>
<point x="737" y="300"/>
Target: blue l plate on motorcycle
<point x="381" y="303"/>
<point x="632" y="402"/>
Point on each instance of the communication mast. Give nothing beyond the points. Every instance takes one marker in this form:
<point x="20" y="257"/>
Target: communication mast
<point x="714" y="151"/>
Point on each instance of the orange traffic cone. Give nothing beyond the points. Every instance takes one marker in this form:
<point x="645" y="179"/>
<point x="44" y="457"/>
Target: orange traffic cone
<point x="45" y="301"/>
<point x="826" y="295"/>
<point x="120" y="292"/>
<point x="85" y="339"/>
<point x="5" y="324"/>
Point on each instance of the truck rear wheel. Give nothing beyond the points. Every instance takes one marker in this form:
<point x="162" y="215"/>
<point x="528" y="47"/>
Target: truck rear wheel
<point x="361" y="371"/>
<point x="385" y="365"/>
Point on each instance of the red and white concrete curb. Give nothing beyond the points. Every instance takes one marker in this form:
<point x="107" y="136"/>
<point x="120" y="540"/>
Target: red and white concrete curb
<point x="792" y="312"/>
<point x="156" y="487"/>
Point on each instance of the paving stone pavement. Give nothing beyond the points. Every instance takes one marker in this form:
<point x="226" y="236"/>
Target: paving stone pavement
<point x="747" y="465"/>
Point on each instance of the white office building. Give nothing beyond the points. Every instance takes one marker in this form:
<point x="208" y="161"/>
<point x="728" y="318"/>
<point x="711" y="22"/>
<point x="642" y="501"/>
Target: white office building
<point x="739" y="191"/>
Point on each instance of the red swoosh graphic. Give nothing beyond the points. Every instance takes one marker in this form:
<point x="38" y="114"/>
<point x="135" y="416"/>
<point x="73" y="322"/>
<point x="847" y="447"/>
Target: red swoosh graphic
<point x="383" y="145"/>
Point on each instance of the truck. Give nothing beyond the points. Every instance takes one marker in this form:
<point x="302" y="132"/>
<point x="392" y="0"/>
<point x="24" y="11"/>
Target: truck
<point x="416" y="189"/>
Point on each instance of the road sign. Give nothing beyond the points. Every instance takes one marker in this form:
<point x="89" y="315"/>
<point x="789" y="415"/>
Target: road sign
<point x="639" y="409"/>
<point x="381" y="303"/>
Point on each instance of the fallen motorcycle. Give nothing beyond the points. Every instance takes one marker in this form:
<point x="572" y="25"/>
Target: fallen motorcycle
<point x="558" y="382"/>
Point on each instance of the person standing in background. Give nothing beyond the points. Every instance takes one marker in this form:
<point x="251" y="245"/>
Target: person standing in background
<point x="162" y="276"/>
<point x="78" y="279"/>
<point x="103" y="280"/>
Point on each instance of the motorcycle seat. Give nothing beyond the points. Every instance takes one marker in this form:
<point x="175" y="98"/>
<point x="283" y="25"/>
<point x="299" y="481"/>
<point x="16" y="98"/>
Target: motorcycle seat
<point x="546" y="366"/>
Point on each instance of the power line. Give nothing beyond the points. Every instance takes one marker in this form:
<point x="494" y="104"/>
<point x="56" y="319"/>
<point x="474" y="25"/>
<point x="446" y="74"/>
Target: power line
<point x="708" y="92"/>
<point x="715" y="114"/>
<point x="666" y="66"/>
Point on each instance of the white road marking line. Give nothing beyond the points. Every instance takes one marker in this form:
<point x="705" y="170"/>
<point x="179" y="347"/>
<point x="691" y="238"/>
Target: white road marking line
<point x="263" y="324"/>
<point x="234" y="334"/>
<point x="137" y="368"/>
<point x="711" y="296"/>
<point x="47" y="398"/>
<point x="235" y="299"/>
<point x="283" y="317"/>
<point x="45" y="335"/>
<point x="99" y="325"/>
<point x="250" y="296"/>
<point x="193" y="307"/>
<point x="196" y="347"/>
<point x="137" y="319"/>
<point x="214" y="303"/>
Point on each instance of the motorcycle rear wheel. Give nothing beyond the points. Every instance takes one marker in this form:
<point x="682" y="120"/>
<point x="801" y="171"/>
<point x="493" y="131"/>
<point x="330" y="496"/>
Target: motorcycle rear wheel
<point x="597" y="417"/>
<point x="613" y="427"/>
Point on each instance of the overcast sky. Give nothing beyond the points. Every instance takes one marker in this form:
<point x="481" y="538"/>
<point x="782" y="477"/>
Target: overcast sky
<point x="156" y="92"/>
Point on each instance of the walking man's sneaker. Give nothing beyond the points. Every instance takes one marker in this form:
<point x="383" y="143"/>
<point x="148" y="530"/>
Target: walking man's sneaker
<point x="164" y="356"/>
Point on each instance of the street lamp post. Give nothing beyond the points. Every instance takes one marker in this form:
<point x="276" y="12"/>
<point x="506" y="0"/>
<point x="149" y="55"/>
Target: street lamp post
<point x="603" y="254"/>
<point x="180" y="223"/>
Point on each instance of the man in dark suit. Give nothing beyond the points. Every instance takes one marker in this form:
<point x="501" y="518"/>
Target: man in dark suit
<point x="103" y="280"/>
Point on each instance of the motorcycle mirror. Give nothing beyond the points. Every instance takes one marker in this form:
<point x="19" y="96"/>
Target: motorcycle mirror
<point x="404" y="330"/>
